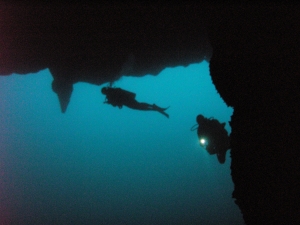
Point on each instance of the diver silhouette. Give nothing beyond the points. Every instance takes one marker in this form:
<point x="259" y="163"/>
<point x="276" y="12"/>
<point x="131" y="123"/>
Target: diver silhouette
<point x="119" y="97"/>
<point x="212" y="136"/>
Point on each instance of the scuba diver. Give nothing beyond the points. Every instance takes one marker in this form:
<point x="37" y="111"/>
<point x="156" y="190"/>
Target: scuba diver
<point x="213" y="136"/>
<point x="119" y="97"/>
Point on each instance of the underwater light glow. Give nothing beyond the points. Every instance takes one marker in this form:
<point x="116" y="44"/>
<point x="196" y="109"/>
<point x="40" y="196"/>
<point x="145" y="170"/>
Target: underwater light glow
<point x="202" y="141"/>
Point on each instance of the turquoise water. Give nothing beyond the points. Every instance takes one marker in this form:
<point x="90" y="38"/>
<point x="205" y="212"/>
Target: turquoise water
<point x="97" y="164"/>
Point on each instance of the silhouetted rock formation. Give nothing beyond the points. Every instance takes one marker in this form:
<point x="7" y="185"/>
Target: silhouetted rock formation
<point x="254" y="67"/>
<point x="100" y="43"/>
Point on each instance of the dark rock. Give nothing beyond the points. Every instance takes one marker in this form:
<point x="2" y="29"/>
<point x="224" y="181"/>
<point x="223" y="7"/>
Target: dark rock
<point x="255" y="67"/>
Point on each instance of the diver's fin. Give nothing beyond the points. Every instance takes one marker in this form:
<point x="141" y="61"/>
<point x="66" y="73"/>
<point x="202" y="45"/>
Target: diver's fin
<point x="160" y="110"/>
<point x="165" y="108"/>
<point x="223" y="124"/>
<point x="155" y="107"/>
<point x="165" y="114"/>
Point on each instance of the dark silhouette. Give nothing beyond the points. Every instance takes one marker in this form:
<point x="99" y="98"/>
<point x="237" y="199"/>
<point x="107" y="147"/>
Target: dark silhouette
<point x="119" y="97"/>
<point x="213" y="136"/>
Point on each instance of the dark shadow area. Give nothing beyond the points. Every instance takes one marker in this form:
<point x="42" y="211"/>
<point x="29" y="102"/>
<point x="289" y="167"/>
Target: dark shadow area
<point x="254" y="66"/>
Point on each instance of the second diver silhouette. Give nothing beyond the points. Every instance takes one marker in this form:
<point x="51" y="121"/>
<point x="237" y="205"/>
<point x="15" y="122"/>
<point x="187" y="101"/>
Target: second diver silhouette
<point x="119" y="97"/>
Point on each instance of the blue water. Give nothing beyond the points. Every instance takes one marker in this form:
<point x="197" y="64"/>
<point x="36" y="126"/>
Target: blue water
<point x="97" y="164"/>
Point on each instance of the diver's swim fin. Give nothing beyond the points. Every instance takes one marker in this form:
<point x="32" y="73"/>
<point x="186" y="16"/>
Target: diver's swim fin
<point x="155" y="107"/>
<point x="165" y="108"/>
<point x="161" y="110"/>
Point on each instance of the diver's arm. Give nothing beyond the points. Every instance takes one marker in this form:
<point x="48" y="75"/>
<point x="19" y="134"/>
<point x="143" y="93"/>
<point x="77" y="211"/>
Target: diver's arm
<point x="108" y="101"/>
<point x="114" y="104"/>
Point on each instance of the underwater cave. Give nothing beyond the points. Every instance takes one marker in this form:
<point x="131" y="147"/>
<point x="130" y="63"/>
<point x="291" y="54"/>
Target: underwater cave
<point x="98" y="164"/>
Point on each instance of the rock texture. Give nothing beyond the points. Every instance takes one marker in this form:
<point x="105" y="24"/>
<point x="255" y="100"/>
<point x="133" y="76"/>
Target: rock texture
<point x="254" y="66"/>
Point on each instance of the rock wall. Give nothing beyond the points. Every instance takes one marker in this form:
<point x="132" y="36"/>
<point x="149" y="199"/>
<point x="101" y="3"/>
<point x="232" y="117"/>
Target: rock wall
<point x="255" y="68"/>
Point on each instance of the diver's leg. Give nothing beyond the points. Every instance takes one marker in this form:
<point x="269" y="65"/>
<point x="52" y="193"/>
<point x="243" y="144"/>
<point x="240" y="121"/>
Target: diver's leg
<point x="133" y="104"/>
<point x="142" y="106"/>
<point x="146" y="106"/>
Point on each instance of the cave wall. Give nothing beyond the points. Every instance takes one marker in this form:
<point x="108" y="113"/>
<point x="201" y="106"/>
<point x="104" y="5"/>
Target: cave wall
<point x="254" y="66"/>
